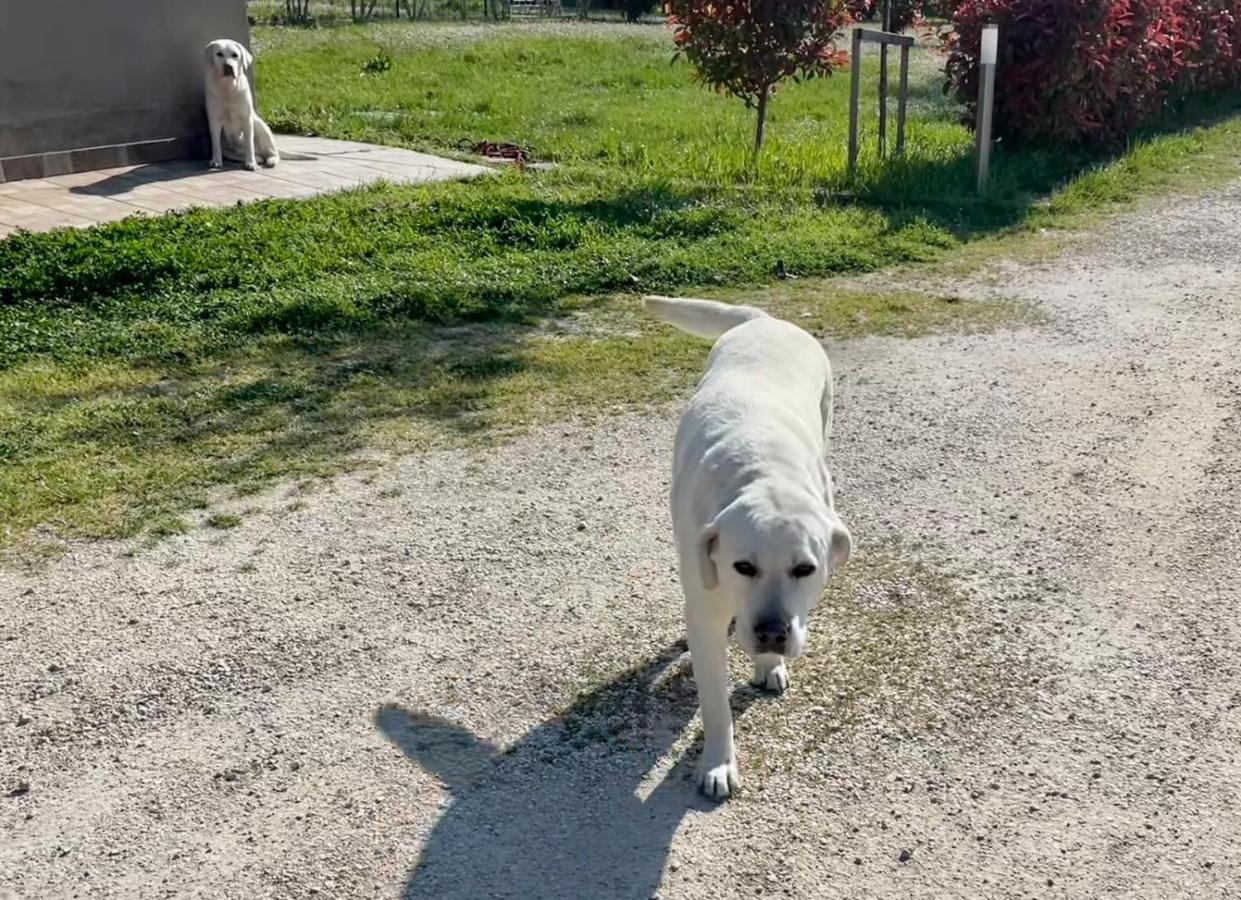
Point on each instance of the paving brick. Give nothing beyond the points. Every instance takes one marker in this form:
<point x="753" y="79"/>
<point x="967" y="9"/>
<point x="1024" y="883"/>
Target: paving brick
<point x="33" y="217"/>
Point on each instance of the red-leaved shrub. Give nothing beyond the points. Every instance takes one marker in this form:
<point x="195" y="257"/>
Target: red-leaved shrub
<point x="747" y="47"/>
<point x="1092" y="71"/>
<point x="1216" y="31"/>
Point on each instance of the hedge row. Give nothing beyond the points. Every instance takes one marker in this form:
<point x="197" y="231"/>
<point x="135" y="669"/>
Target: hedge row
<point x="1092" y="71"/>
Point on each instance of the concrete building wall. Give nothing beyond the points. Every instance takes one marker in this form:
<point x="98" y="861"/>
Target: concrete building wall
<point x="119" y="75"/>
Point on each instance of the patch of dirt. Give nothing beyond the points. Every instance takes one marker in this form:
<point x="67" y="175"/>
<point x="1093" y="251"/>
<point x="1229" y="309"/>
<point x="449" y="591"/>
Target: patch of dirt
<point x="510" y="153"/>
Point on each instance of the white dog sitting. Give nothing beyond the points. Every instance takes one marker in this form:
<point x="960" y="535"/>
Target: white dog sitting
<point x="237" y="132"/>
<point x="755" y="524"/>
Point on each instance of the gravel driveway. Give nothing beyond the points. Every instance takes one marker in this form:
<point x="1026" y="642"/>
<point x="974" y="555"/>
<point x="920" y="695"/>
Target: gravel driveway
<point x="459" y="678"/>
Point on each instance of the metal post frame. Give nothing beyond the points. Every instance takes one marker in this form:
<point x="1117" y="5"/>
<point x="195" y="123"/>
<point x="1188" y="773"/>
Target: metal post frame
<point x="902" y="103"/>
<point x="855" y="90"/>
<point x="884" y="39"/>
<point x="886" y="22"/>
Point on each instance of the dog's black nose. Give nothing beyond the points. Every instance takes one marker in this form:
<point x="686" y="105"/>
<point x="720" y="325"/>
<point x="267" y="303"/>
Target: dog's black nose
<point x="771" y="634"/>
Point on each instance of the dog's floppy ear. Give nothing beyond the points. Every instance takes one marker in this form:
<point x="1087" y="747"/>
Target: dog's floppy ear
<point x="247" y="59"/>
<point x="207" y="50"/>
<point x="708" y="539"/>
<point x="840" y="545"/>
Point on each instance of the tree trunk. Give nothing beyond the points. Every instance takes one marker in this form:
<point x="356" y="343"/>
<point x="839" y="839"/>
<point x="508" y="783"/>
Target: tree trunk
<point x="762" y="121"/>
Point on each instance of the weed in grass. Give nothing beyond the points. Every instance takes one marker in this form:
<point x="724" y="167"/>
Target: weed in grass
<point x="378" y="64"/>
<point x="167" y="525"/>
<point x="223" y="520"/>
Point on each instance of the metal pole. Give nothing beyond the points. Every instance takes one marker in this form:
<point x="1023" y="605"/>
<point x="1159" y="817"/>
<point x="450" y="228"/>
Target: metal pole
<point x="854" y="96"/>
<point x="902" y="102"/>
<point x="883" y="82"/>
<point x="883" y="100"/>
<point x="986" y="102"/>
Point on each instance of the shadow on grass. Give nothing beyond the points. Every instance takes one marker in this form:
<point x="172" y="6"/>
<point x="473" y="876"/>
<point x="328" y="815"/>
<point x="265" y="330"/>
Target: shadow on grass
<point x="943" y="192"/>
<point x="139" y="443"/>
<point x="518" y="246"/>
<point x="562" y="813"/>
<point x="120" y="448"/>
<point x="111" y="447"/>
<point x="437" y="253"/>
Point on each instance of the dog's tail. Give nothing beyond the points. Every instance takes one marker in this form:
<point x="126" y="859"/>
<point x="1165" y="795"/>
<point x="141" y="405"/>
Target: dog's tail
<point x="704" y="318"/>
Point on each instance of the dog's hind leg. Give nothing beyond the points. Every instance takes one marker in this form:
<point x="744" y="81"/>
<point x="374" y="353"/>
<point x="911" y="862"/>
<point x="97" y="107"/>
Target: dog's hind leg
<point x="247" y="143"/>
<point x="265" y="143"/>
<point x="825" y="408"/>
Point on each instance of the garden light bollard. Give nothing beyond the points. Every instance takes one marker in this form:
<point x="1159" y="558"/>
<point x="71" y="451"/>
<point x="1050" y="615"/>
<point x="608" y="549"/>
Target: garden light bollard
<point x="986" y="100"/>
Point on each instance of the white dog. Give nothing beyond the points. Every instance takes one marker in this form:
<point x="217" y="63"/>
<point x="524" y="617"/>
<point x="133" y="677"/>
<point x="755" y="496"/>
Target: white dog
<point x="237" y="132"/>
<point x="752" y="510"/>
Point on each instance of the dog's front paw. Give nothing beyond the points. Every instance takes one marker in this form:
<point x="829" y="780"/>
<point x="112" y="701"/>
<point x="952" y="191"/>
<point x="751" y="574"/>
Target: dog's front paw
<point x="271" y="162"/>
<point x="719" y="781"/>
<point x="773" y="677"/>
<point x="251" y="166"/>
<point x="216" y="164"/>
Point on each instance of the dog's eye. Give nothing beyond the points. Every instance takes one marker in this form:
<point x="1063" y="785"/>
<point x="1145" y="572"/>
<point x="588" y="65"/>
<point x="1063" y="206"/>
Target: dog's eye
<point x="745" y="568"/>
<point x="218" y="53"/>
<point x="802" y="570"/>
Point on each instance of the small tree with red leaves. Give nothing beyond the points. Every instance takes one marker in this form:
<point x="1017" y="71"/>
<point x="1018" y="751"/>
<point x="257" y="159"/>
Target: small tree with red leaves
<point x="747" y="47"/>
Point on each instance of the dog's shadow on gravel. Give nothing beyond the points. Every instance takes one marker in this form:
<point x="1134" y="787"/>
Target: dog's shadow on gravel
<point x="573" y="809"/>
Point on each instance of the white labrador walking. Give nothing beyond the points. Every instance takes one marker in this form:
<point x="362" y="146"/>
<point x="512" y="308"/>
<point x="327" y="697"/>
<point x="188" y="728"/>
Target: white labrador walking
<point x="237" y="132"/>
<point x="752" y="510"/>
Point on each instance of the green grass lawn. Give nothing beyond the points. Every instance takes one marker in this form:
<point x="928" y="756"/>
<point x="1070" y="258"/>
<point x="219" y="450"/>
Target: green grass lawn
<point x="144" y="362"/>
